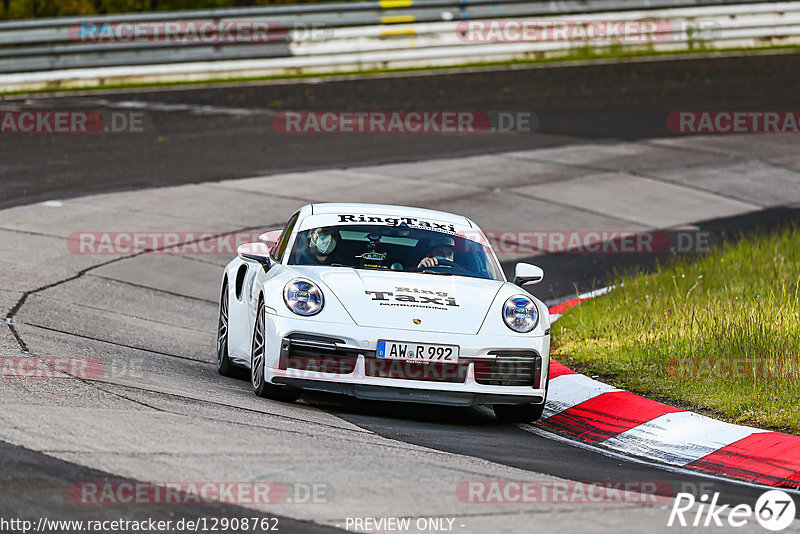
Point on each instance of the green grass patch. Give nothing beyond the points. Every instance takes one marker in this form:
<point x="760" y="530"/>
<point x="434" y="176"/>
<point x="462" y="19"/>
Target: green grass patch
<point x="719" y="335"/>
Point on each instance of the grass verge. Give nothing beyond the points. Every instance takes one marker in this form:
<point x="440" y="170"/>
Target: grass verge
<point x="579" y="56"/>
<point x="720" y="334"/>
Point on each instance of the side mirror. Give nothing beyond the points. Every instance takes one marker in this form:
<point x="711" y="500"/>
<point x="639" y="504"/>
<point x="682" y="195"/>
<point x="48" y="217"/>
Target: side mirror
<point x="270" y="238"/>
<point x="255" y="252"/>
<point x="525" y="273"/>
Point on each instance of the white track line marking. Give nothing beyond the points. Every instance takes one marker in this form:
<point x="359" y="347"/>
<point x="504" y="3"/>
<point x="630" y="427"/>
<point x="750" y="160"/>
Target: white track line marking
<point x="566" y="391"/>
<point x="678" y="438"/>
<point x="641" y="461"/>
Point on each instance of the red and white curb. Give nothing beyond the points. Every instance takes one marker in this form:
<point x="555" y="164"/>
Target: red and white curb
<point x="558" y="310"/>
<point x="601" y="415"/>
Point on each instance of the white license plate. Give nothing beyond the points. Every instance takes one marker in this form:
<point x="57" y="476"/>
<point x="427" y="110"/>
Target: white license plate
<point x="419" y="352"/>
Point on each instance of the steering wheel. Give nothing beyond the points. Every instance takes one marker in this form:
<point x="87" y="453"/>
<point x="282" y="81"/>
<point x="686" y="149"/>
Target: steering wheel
<point x="444" y="262"/>
<point x="441" y="262"/>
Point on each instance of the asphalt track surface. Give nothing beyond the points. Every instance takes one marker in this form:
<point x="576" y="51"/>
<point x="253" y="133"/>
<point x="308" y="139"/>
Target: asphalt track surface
<point x="199" y="143"/>
<point x="201" y="134"/>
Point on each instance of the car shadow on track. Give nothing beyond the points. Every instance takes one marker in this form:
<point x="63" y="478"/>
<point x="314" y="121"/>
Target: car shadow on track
<point x="431" y="414"/>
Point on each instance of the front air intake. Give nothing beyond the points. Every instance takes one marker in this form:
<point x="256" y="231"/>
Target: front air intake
<point x="509" y="368"/>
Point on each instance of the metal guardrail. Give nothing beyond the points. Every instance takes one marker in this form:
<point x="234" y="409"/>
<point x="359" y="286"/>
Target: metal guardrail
<point x="336" y="36"/>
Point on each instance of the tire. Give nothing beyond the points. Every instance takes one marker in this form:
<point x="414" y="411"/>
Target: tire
<point x="518" y="413"/>
<point x="257" y="358"/>
<point x="224" y="365"/>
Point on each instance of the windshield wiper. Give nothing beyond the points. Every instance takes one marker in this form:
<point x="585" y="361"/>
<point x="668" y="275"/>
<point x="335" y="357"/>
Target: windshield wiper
<point x="359" y="267"/>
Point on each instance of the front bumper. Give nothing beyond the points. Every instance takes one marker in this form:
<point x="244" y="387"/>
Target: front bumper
<point x="405" y="394"/>
<point x="341" y="359"/>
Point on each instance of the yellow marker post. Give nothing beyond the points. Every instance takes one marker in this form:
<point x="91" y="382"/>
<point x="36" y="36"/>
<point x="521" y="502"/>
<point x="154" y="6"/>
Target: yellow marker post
<point x="397" y="19"/>
<point x="389" y="4"/>
<point x="399" y="31"/>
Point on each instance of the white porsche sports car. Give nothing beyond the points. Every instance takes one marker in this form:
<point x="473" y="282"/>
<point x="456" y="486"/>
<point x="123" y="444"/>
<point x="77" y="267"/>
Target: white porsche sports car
<point x="385" y="303"/>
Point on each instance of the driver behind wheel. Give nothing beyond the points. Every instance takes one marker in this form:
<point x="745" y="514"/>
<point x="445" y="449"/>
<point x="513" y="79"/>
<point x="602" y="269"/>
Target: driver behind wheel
<point x="321" y="244"/>
<point x="439" y="248"/>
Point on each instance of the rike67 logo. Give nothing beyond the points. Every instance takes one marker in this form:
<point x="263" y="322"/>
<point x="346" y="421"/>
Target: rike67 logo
<point x="774" y="510"/>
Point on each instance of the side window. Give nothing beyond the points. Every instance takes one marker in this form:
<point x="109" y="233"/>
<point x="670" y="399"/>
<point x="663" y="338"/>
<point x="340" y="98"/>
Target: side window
<point x="280" y="246"/>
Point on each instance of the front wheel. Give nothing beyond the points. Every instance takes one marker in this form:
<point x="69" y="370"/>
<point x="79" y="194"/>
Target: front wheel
<point x="519" y="413"/>
<point x="224" y="365"/>
<point x="257" y="359"/>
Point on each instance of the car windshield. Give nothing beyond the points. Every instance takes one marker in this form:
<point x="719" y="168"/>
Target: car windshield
<point x="400" y="248"/>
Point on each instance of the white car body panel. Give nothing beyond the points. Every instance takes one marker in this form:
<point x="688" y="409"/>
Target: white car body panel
<point x="453" y="305"/>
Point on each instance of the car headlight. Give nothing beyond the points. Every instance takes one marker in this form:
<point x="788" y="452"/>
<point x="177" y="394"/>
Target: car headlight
<point x="520" y="314"/>
<point x="303" y="297"/>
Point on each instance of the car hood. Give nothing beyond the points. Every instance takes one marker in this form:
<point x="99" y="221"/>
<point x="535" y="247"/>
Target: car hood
<point x="447" y="304"/>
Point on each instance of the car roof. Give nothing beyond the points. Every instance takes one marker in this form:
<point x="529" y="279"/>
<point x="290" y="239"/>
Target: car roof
<point x="389" y="210"/>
